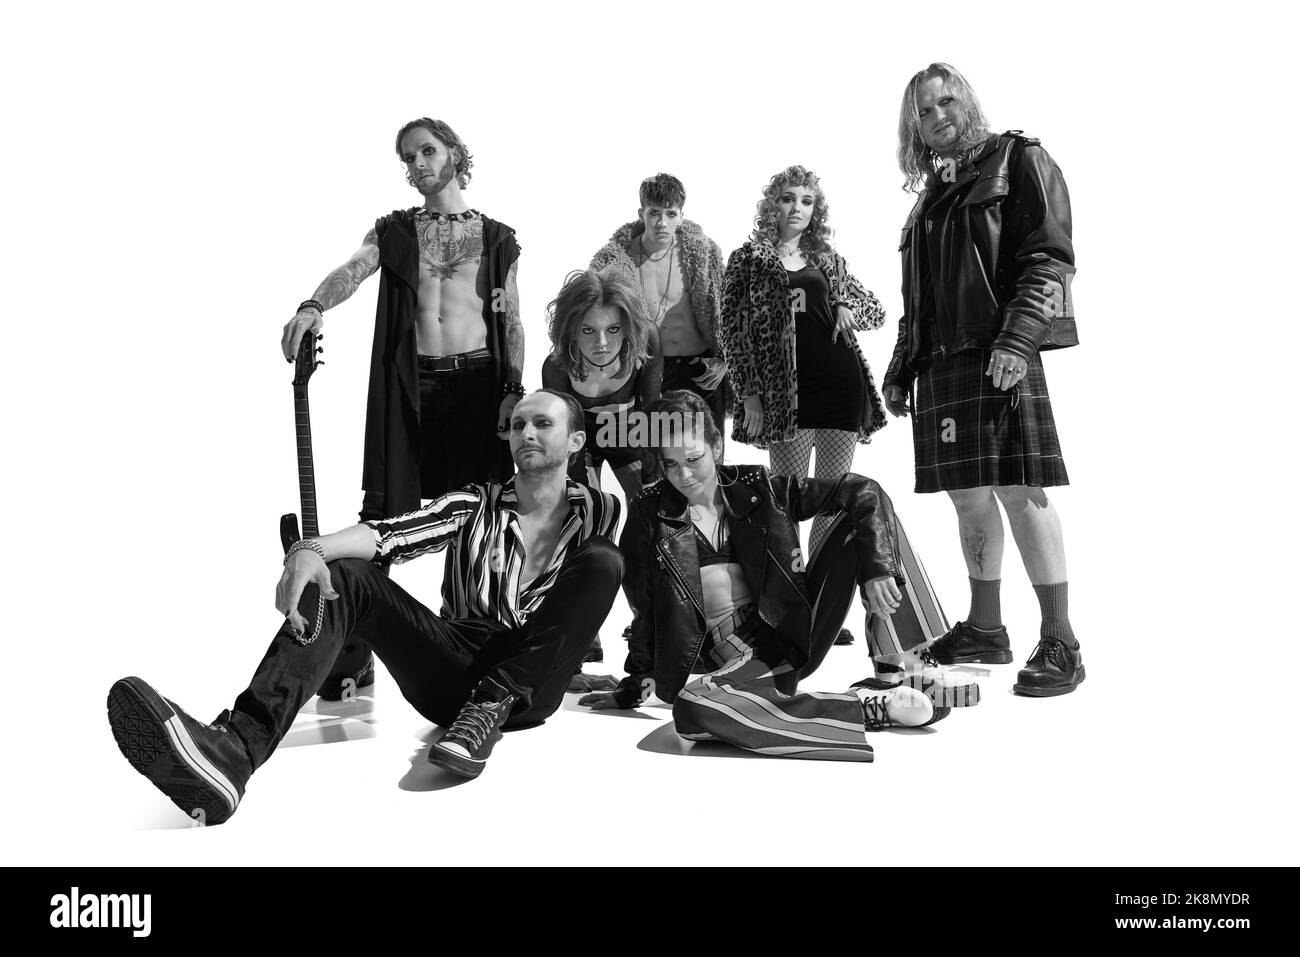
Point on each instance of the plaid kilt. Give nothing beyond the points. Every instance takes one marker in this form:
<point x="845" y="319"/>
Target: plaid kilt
<point x="969" y="434"/>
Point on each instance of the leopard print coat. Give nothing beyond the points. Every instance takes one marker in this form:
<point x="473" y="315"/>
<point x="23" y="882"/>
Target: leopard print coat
<point x="758" y="338"/>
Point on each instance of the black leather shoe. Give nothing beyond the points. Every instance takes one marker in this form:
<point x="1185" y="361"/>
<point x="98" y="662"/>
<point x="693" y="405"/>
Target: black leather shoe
<point x="1054" y="668"/>
<point x="203" y="768"/>
<point x="465" y="747"/>
<point x="964" y="644"/>
<point x="335" y="686"/>
<point x="845" y="637"/>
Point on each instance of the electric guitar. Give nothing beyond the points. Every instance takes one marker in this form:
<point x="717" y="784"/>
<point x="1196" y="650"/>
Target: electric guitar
<point x="311" y="606"/>
<point x="304" y="366"/>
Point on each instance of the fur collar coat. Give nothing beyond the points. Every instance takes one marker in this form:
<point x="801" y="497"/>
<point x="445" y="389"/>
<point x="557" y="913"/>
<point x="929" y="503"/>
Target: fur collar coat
<point x="701" y="265"/>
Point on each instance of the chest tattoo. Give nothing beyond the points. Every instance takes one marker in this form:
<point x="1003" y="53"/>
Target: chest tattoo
<point x="445" y="246"/>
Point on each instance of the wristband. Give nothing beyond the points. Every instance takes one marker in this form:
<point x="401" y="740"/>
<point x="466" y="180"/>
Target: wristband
<point x="512" y="388"/>
<point x="305" y="544"/>
<point x="311" y="304"/>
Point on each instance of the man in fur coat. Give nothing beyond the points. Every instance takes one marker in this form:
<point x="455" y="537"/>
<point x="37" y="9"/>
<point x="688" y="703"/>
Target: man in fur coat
<point x="679" y="272"/>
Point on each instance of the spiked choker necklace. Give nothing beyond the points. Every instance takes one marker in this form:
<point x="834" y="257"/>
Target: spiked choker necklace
<point x="438" y="217"/>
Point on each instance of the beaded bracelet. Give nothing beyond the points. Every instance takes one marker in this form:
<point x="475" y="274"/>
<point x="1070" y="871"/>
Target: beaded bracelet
<point x="512" y="388"/>
<point x="303" y="544"/>
<point x="311" y="304"/>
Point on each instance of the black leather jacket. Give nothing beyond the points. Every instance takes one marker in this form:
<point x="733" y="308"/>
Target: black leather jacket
<point x="662" y="573"/>
<point x="1003" y="231"/>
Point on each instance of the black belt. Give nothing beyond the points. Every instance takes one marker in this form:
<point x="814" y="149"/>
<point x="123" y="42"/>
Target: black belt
<point x="462" y="360"/>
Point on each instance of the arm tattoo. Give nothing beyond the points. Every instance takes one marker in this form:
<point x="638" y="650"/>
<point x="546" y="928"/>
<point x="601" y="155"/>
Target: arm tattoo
<point x="343" y="282"/>
<point x="514" y="326"/>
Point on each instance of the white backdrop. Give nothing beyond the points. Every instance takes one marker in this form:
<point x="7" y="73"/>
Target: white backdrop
<point x="176" y="179"/>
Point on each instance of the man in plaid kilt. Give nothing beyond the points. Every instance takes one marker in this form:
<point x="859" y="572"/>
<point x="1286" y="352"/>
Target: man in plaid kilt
<point x="987" y="265"/>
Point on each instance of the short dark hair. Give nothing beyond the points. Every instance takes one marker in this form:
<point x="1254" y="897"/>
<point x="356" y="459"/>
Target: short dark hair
<point x="662" y="189"/>
<point x="577" y="423"/>
<point x="447" y="136"/>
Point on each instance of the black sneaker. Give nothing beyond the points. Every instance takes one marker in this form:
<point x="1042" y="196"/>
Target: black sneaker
<point x="893" y="705"/>
<point x="965" y="644"/>
<point x="1053" y="668"/>
<point x="202" y="768"/>
<point x="465" y="747"/>
<point x="333" y="687"/>
<point x="845" y="637"/>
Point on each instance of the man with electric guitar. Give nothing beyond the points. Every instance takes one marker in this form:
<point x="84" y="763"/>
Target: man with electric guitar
<point x="447" y="361"/>
<point x="531" y="574"/>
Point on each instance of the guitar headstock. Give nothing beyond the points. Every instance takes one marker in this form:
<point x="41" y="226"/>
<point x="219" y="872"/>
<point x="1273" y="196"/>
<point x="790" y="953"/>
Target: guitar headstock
<point x="308" y="350"/>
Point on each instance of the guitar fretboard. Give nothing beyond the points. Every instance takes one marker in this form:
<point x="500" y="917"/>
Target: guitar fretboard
<point x="306" y="467"/>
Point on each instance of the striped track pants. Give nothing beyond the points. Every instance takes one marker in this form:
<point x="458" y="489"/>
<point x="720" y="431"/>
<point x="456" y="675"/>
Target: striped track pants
<point x="751" y="703"/>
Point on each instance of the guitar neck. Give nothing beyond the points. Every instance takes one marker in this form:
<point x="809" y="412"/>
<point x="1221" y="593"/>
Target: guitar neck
<point x="306" y="466"/>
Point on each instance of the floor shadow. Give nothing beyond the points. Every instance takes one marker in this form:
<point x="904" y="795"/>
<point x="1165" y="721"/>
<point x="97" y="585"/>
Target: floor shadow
<point x="329" y="722"/>
<point x="666" y="740"/>
<point x="571" y="704"/>
<point x="423" y="776"/>
<point x="170" y="818"/>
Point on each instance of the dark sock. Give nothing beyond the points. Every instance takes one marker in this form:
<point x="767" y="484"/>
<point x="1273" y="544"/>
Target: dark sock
<point x="1054" y="600"/>
<point x="985" y="604"/>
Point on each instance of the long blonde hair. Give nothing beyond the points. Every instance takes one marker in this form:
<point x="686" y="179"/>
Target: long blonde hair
<point x="917" y="161"/>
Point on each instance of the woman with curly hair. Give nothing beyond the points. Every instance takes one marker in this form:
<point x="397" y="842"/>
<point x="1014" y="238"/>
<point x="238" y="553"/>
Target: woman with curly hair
<point x="790" y="311"/>
<point x="605" y="353"/>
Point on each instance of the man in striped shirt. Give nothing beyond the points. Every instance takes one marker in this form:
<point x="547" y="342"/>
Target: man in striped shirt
<point x="530" y="576"/>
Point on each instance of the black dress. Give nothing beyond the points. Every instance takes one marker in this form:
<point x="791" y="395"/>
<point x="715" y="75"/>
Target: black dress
<point x="830" y="386"/>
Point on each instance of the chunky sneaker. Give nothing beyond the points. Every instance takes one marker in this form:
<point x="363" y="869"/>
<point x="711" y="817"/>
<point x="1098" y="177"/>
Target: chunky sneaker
<point x="894" y="705"/>
<point x="965" y="644"/>
<point x="464" y="747"/>
<point x="335" y="687"/>
<point x="203" y="768"/>
<point x="1053" y="668"/>
<point x="845" y="637"/>
<point x="919" y="669"/>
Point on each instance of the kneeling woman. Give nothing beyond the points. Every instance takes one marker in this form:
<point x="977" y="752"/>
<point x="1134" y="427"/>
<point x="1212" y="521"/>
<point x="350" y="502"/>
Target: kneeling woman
<point x="715" y="578"/>
<point x="605" y="353"/>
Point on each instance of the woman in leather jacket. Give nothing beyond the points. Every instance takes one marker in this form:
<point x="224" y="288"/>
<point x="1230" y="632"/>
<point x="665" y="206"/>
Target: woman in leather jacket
<point x="715" y="577"/>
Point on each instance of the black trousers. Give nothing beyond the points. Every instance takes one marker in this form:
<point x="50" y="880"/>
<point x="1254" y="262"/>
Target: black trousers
<point x="458" y="435"/>
<point x="458" y="440"/>
<point x="835" y="577"/>
<point x="436" y="662"/>
<point x="680" y="373"/>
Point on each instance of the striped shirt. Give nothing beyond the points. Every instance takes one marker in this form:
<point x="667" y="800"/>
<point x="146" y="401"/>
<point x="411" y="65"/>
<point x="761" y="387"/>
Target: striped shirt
<point x="479" y="527"/>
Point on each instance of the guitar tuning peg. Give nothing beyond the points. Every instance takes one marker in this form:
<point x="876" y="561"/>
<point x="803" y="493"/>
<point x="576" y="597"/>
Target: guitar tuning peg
<point x="319" y="349"/>
<point x="320" y="362"/>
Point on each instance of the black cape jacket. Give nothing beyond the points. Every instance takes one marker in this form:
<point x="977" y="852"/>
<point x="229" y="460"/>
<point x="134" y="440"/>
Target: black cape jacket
<point x="391" y="463"/>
